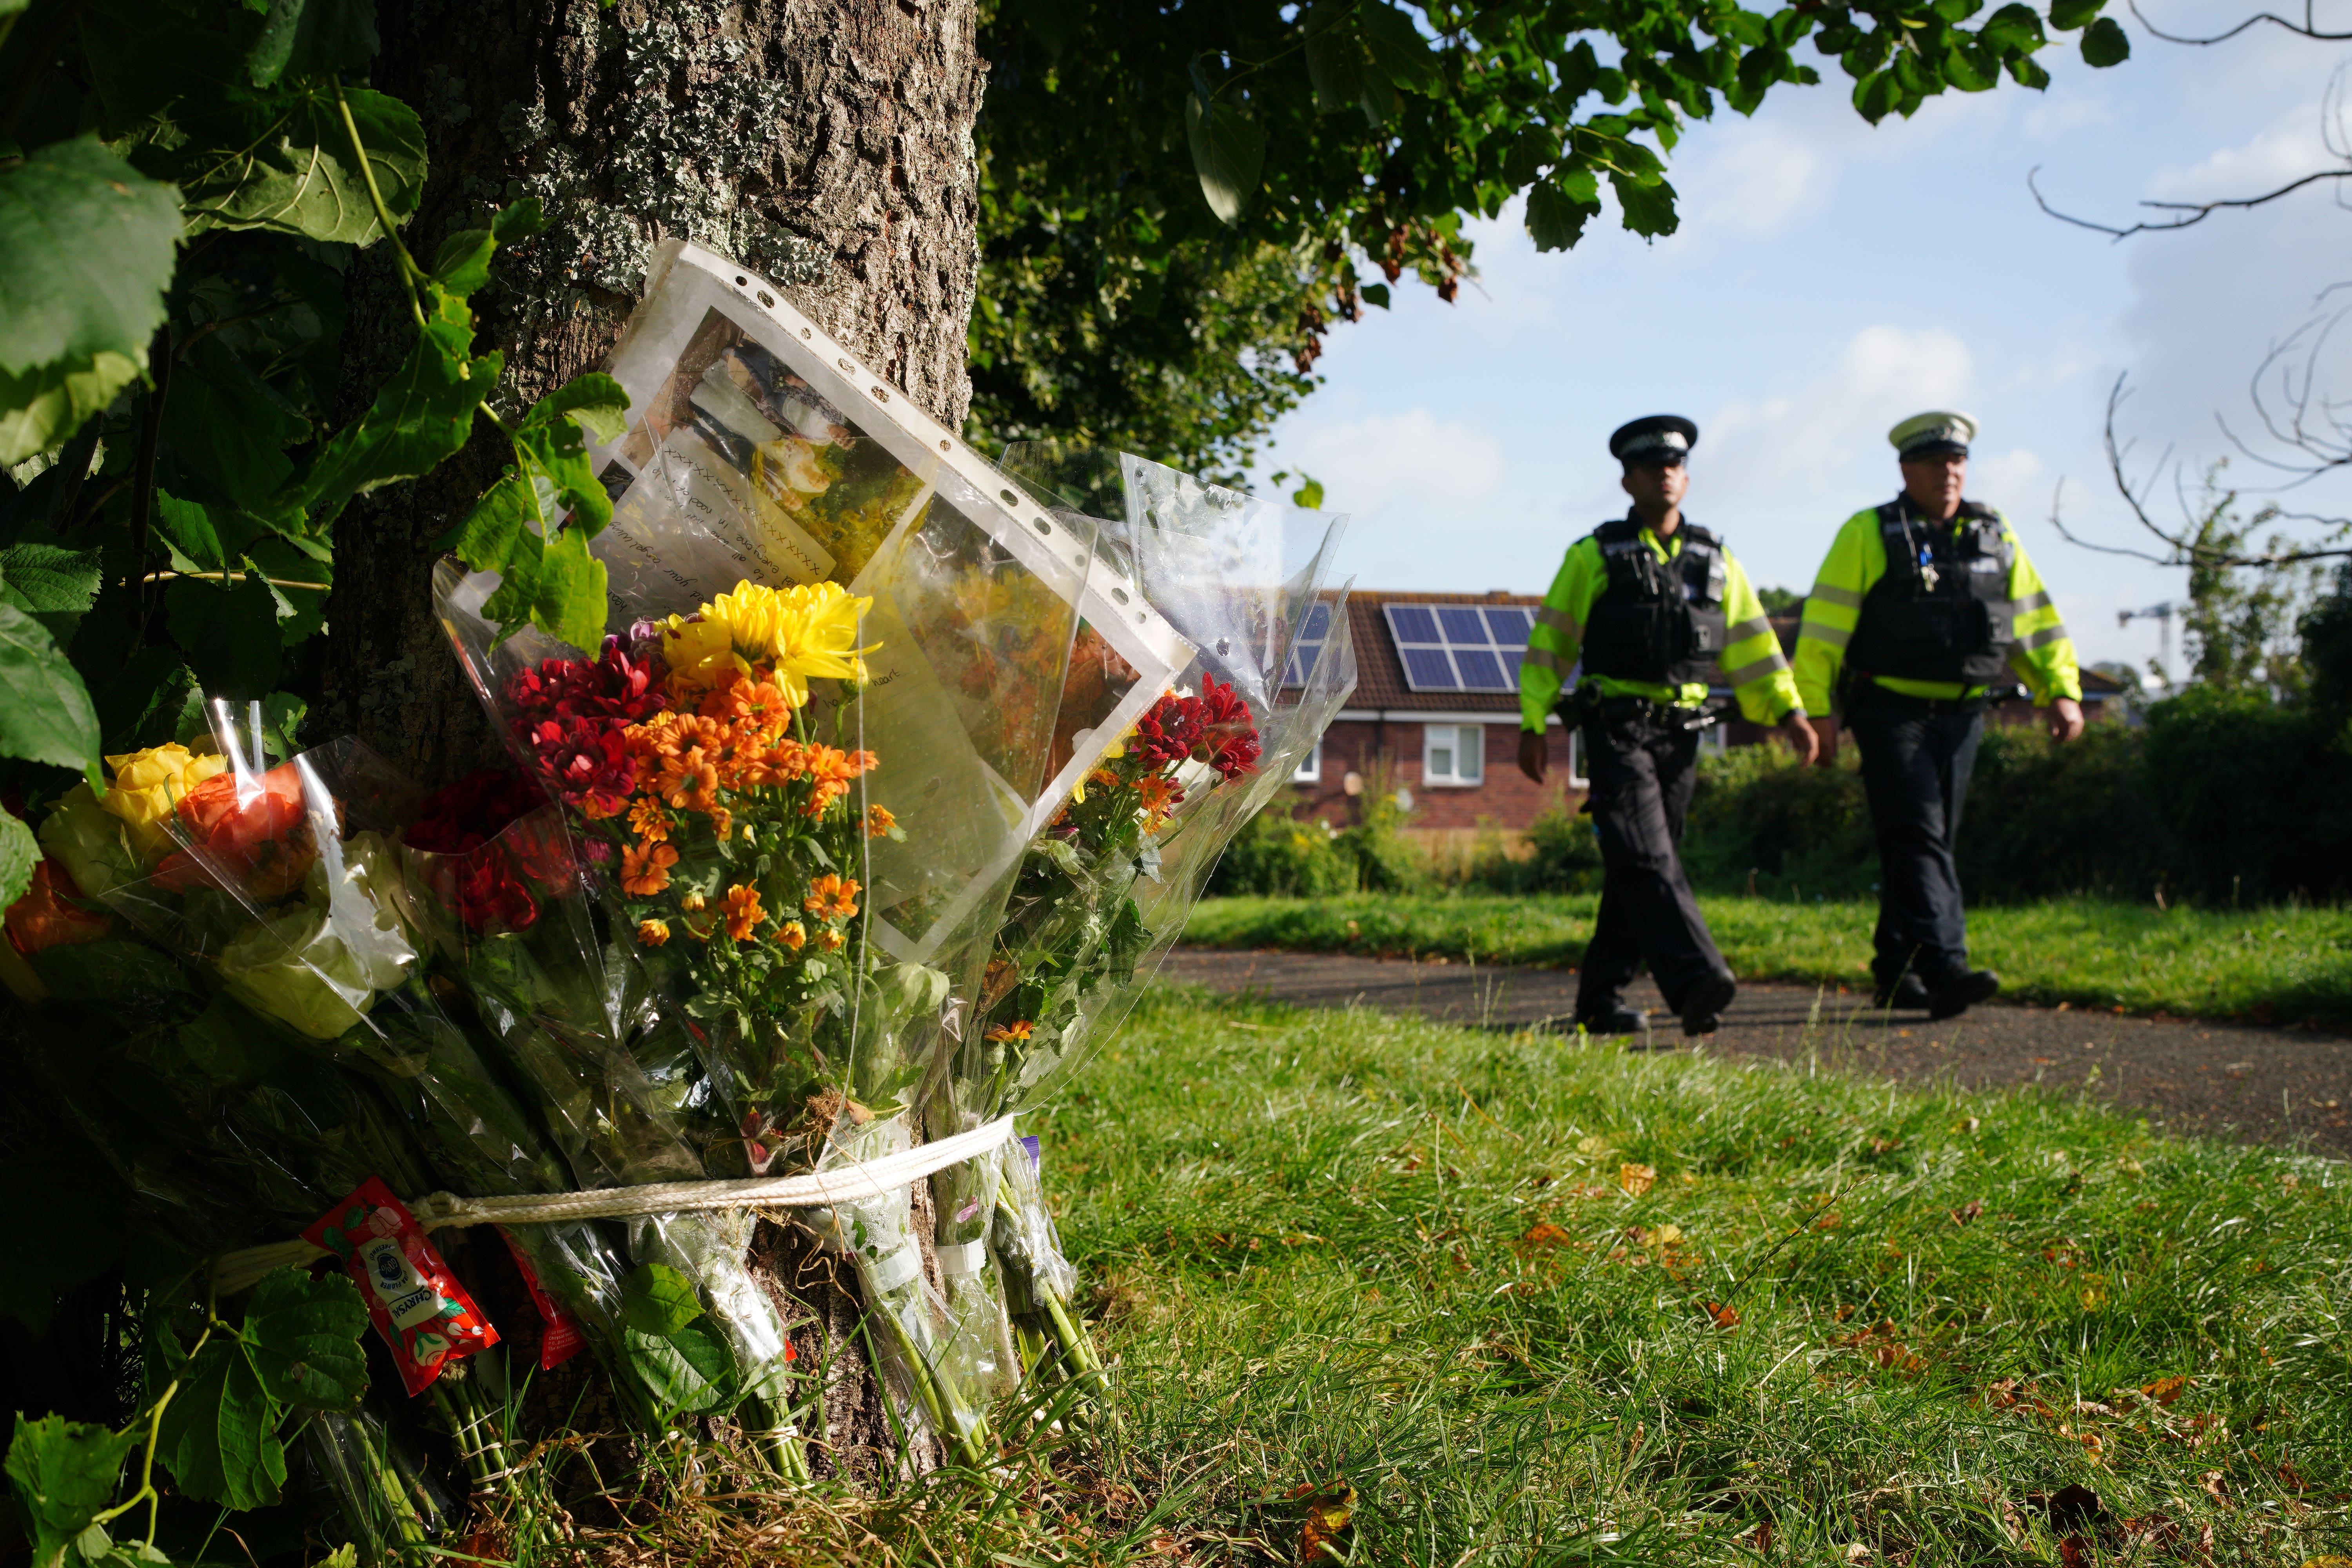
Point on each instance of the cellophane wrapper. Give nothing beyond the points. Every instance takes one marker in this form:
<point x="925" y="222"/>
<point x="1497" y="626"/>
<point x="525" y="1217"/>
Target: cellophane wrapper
<point x="309" y="849"/>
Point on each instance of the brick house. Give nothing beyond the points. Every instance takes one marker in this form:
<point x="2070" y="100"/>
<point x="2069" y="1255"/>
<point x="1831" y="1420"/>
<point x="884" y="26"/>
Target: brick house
<point x="1437" y="681"/>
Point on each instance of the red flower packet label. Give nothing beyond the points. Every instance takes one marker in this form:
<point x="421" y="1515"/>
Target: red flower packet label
<point x="560" y="1339"/>
<point x="415" y="1302"/>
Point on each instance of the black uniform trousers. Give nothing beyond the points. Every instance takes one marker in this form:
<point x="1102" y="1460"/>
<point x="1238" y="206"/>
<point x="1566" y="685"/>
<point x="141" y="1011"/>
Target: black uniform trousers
<point x="1916" y="760"/>
<point x="1642" y="771"/>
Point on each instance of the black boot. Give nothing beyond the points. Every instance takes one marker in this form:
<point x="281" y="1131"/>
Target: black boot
<point x="1909" y="995"/>
<point x="1703" y="1005"/>
<point x="1617" y="1020"/>
<point x="1961" y="990"/>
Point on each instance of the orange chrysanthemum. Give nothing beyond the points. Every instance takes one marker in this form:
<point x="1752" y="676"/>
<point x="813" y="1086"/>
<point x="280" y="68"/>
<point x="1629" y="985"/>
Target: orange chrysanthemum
<point x="722" y="822"/>
<point x="879" y="821"/>
<point x="645" y="868"/>
<point x="648" y="821"/>
<point x="653" y="933"/>
<point x="831" y="897"/>
<point x="829" y="939"/>
<point x="1014" y="1031"/>
<point x="692" y="902"/>
<point x="743" y="911"/>
<point x="792" y="934"/>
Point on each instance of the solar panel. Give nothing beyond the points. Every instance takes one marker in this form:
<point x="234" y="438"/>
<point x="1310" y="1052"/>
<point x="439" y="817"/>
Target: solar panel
<point x="1304" y="653"/>
<point x="1459" y="647"/>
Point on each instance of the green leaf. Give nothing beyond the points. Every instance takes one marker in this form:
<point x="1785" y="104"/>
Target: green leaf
<point x="44" y="406"/>
<point x="53" y="585"/>
<point x="64" y="1474"/>
<point x="658" y="1299"/>
<point x="595" y="401"/>
<point x="188" y="528"/>
<point x="47" y="717"/>
<point x="519" y="221"/>
<point x="2068" y="15"/>
<point x="1376" y="294"/>
<point x="1558" y="207"/>
<point x="2105" y="43"/>
<point x="229" y="632"/>
<point x="555" y="458"/>
<point x="495" y="531"/>
<point x="303" y="1336"/>
<point x="19" y="853"/>
<point x="1969" y="68"/>
<point x="1532" y="151"/>
<point x="2012" y="29"/>
<point x="1228" y="152"/>
<point x="287" y="164"/>
<point x="1397" y="47"/>
<point x="421" y="416"/>
<point x="87" y="245"/>
<point x="689" y="1368"/>
<point x="462" y="265"/>
<point x="1648" y="205"/>
<point x="1334" y="65"/>
<point x="307" y="37"/>
<point x="1309" y="495"/>
<point x="229" y="426"/>
<point x="567" y="591"/>
<point x="219" y="1432"/>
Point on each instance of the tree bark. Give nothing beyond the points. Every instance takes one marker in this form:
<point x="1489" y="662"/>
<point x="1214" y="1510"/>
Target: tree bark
<point x="824" y="143"/>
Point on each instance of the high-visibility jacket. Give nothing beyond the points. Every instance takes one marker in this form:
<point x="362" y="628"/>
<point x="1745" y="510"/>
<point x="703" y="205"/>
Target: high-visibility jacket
<point x="1750" y="660"/>
<point x="2039" y="651"/>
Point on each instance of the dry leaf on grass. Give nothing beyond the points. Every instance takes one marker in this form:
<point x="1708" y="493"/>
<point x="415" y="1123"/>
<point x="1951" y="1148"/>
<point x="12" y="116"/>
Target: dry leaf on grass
<point x="1968" y="1211"/>
<point x="1327" y="1516"/>
<point x="1637" y="1179"/>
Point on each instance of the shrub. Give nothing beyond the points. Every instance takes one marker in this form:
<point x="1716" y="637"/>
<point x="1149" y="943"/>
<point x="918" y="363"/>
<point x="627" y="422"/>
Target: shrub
<point x="1761" y="823"/>
<point x="2254" y="796"/>
<point x="1278" y="856"/>
<point x="1565" y="857"/>
<point x="2044" y="821"/>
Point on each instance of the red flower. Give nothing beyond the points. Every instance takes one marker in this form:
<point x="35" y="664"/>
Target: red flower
<point x="485" y="892"/>
<point x="48" y="915"/>
<point x="1168" y="733"/>
<point x="585" y="764"/>
<point x="1228" y="740"/>
<point x="617" y="687"/>
<point x="261" y="842"/>
<point x="473" y="811"/>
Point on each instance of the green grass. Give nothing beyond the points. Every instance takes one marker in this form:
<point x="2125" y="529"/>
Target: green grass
<point x="1343" y="1249"/>
<point x="2279" y="965"/>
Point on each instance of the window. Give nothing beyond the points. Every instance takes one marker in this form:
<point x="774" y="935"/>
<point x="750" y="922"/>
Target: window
<point x="1459" y="647"/>
<point x="1310" y="766"/>
<point x="1313" y="633"/>
<point x="1453" y="754"/>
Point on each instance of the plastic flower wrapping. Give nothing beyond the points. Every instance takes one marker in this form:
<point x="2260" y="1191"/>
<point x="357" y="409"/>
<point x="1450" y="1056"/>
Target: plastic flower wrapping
<point x="891" y="782"/>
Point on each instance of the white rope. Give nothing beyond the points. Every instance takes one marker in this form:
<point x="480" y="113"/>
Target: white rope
<point x="235" y="1271"/>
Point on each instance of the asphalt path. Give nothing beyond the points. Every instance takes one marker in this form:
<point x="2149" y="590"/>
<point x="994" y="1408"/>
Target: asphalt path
<point x="2190" y="1076"/>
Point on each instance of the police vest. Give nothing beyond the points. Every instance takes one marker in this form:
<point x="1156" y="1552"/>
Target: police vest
<point x="1942" y="611"/>
<point x="1657" y="622"/>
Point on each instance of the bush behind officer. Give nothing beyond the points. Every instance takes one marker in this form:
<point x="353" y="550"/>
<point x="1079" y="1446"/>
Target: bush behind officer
<point x="1922" y="605"/>
<point x="1653" y="603"/>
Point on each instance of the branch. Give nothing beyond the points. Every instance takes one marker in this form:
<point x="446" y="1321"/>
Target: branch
<point x="2057" y="522"/>
<point x="2197" y="212"/>
<point x="2306" y="31"/>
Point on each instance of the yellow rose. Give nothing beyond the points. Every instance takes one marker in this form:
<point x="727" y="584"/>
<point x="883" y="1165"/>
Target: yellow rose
<point x="147" y="785"/>
<point x="699" y="654"/>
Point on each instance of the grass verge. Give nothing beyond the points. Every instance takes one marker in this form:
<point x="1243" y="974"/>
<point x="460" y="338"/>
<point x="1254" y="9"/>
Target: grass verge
<point x="1514" y="1301"/>
<point x="2274" y="964"/>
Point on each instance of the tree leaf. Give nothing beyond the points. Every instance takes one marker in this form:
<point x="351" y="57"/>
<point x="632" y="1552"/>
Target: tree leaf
<point x="47" y="717"/>
<point x="2105" y="43"/>
<point x="229" y="426"/>
<point x="229" y="633"/>
<point x="1535" y="148"/>
<point x="1648" y="205"/>
<point x="53" y="585"/>
<point x="1334" y="65"/>
<point x="2068" y="15"/>
<point x="519" y="221"/>
<point x="462" y="265"/>
<point x="1558" y="207"/>
<point x="494" y="532"/>
<point x="307" y="37"/>
<point x="64" y="1474"/>
<point x="2012" y="29"/>
<point x="1228" y="152"/>
<point x="87" y="245"/>
<point x="188" y="528"/>
<point x="568" y="599"/>
<point x="286" y="163"/>
<point x="19" y="853"/>
<point x="44" y="406"/>
<point x="1397" y="47"/>
<point x="303" y="1336"/>
<point x="421" y="416"/>
<point x="219" y="1432"/>
<point x="595" y="401"/>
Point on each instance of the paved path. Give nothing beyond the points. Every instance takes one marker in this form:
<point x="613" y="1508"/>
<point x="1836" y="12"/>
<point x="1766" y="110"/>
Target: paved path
<point x="2291" y="1085"/>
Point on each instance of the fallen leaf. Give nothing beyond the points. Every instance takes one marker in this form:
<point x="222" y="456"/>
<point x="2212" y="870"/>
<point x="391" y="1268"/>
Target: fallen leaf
<point x="1666" y="1235"/>
<point x="1326" y="1518"/>
<point x="2073" y="1509"/>
<point x="2071" y="1553"/>
<point x="2211" y="1482"/>
<point x="1541" y="1235"/>
<point x="1637" y="1179"/>
<point x="1640" y="1432"/>
<point x="2331" y="1561"/>
<point x="1857" y="1552"/>
<point x="2165" y="1390"/>
<point x="1591" y="1144"/>
<point x="1830" y="1221"/>
<point x="1884" y="1145"/>
<point x="1969" y="1212"/>
<point x="1759" y="1540"/>
<point x="1724" y="1316"/>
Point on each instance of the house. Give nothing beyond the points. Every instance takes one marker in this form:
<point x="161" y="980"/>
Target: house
<point x="1436" y="707"/>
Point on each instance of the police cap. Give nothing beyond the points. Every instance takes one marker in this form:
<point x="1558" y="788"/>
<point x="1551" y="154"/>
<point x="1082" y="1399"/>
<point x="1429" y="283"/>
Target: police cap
<point x="1943" y="433"/>
<point x="1660" y="438"/>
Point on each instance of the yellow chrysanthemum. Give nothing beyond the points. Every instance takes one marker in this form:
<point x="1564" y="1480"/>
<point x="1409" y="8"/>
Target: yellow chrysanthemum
<point x="147" y="787"/>
<point x="700" y="654"/>
<point x="809" y="630"/>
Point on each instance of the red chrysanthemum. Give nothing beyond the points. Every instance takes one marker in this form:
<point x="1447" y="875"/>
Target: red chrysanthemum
<point x="473" y="811"/>
<point x="1228" y="740"/>
<point x="585" y="764"/>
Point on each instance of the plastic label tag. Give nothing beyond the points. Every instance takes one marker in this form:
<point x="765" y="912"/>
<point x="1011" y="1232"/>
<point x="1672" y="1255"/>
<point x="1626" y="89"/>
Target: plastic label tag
<point x="418" y="1306"/>
<point x="559" y="1339"/>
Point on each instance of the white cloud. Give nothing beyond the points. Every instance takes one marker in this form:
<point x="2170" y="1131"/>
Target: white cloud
<point x="1799" y="444"/>
<point x="1399" y="465"/>
<point x="2011" y="480"/>
<point x="2290" y="147"/>
<point x="1756" y="183"/>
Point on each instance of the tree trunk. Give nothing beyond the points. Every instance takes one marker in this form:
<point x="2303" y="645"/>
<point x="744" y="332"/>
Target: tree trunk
<point x="825" y="143"/>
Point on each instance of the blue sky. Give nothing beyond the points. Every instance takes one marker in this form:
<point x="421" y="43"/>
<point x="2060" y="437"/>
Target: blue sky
<point x="1830" y="278"/>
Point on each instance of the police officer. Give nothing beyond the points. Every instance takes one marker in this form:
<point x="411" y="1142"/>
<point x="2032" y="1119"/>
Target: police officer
<point x="1921" y="606"/>
<point x="1654" y="604"/>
